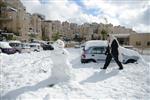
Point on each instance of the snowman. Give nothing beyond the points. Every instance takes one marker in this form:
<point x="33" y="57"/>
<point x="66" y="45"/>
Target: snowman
<point x="61" y="70"/>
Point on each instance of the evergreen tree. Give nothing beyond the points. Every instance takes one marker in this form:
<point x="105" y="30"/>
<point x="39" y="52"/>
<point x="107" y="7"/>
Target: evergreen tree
<point x="56" y="36"/>
<point x="104" y="33"/>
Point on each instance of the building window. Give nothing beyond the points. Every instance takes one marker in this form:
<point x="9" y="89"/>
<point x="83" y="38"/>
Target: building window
<point x="148" y="43"/>
<point x="138" y="43"/>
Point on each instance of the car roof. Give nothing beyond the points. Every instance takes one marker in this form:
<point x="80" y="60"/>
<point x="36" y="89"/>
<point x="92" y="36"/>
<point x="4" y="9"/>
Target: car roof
<point x="5" y="45"/>
<point x="14" y="42"/>
<point x="95" y="43"/>
<point x="34" y="43"/>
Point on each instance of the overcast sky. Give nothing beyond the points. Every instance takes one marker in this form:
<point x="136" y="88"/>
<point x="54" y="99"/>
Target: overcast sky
<point x="133" y="14"/>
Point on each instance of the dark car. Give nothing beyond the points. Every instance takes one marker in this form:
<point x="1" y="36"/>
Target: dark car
<point x="47" y="47"/>
<point x="6" y="48"/>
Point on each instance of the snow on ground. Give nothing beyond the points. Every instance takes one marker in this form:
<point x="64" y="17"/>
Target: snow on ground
<point x="25" y="77"/>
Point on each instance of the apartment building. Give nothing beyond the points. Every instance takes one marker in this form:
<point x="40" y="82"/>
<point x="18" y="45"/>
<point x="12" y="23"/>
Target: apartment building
<point x="140" y="40"/>
<point x="36" y="25"/>
<point x="47" y="29"/>
<point x="14" y="18"/>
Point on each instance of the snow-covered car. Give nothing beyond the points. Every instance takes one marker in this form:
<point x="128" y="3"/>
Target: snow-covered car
<point x="6" y="48"/>
<point x="25" y="48"/>
<point x="16" y="45"/>
<point x="94" y="51"/>
<point x="129" y="55"/>
<point x="35" y="47"/>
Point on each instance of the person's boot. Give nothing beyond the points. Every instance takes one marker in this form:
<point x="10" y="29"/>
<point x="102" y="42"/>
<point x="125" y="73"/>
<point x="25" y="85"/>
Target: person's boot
<point x="121" y="68"/>
<point x="104" y="68"/>
<point x="51" y="85"/>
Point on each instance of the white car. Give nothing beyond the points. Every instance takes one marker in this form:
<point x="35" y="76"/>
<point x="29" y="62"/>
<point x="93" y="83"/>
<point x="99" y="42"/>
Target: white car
<point x="6" y="48"/>
<point x="25" y="48"/>
<point x="35" y="47"/>
<point x="94" y="51"/>
<point x="16" y="45"/>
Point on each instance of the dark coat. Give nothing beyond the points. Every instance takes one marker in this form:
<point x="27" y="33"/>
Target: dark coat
<point x="113" y="50"/>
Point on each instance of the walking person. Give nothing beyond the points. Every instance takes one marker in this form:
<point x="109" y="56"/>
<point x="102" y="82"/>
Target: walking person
<point x="112" y="52"/>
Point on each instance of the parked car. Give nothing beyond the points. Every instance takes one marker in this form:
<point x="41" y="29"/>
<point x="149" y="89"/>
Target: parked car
<point x="6" y="48"/>
<point x="16" y="45"/>
<point x="77" y="46"/>
<point x="82" y="45"/>
<point x="47" y="47"/>
<point x="94" y="51"/>
<point x="25" y="48"/>
<point x="50" y="42"/>
<point x="35" y="47"/>
<point x="129" y="55"/>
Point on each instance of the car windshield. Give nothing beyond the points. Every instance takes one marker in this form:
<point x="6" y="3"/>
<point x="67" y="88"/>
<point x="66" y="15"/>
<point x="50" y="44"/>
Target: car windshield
<point x="14" y="44"/>
<point x="32" y="45"/>
<point x="25" y="46"/>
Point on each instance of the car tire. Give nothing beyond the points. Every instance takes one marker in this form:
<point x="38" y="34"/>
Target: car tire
<point x="17" y="51"/>
<point x="83" y="61"/>
<point x="130" y="61"/>
<point x="36" y="50"/>
<point x="93" y="60"/>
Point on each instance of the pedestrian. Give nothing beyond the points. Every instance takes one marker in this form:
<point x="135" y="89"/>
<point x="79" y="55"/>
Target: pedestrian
<point x="112" y="51"/>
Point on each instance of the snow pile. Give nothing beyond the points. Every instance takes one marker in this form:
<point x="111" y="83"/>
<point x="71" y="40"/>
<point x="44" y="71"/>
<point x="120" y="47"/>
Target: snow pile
<point x="26" y="77"/>
<point x="19" y="70"/>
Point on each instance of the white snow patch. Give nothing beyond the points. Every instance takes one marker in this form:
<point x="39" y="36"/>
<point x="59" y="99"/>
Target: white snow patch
<point x="26" y="76"/>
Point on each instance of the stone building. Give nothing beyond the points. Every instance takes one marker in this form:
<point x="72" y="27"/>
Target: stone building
<point x="124" y="38"/>
<point x="15" y="20"/>
<point x="8" y="19"/>
<point x="47" y="29"/>
<point x="140" y="40"/>
<point x="56" y="26"/>
<point x="68" y="30"/>
<point x="36" y="24"/>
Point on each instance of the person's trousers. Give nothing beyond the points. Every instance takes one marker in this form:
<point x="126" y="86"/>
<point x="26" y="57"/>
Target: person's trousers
<point x="108" y="60"/>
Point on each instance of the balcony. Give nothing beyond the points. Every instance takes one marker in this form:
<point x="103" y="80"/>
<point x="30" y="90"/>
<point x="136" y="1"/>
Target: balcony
<point x="5" y="18"/>
<point x="5" y="13"/>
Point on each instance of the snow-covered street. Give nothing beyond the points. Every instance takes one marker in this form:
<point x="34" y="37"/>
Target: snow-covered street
<point x="26" y="76"/>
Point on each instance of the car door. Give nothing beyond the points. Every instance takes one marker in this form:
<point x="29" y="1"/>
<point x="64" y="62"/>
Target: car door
<point x="98" y="53"/>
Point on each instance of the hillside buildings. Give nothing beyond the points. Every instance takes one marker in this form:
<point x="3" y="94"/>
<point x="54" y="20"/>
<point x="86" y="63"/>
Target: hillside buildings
<point x="26" y="26"/>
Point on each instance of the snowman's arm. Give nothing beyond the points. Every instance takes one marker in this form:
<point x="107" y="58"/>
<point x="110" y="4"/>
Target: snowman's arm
<point x="65" y="52"/>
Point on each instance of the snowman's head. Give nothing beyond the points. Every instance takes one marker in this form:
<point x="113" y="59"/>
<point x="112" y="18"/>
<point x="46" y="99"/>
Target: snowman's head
<point x="59" y="44"/>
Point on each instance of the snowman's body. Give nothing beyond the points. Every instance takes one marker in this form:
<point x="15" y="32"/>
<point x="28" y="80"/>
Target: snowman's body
<point x="61" y="65"/>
